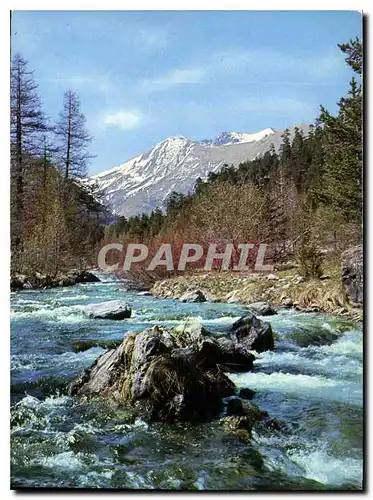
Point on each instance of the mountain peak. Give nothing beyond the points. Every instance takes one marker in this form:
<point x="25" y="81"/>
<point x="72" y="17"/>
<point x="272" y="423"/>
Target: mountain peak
<point x="226" y="138"/>
<point x="144" y="182"/>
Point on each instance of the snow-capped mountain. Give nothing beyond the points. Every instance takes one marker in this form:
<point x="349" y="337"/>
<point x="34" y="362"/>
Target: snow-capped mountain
<point x="144" y="182"/>
<point x="226" y="138"/>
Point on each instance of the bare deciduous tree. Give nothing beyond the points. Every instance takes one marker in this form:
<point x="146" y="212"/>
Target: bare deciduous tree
<point x="73" y="138"/>
<point x="27" y="126"/>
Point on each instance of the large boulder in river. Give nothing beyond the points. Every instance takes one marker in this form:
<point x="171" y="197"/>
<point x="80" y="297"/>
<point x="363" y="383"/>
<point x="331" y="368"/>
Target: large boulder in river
<point x="166" y="373"/>
<point x="253" y="333"/>
<point x="193" y="296"/>
<point x="113" y="309"/>
<point x="234" y="357"/>
<point x="352" y="272"/>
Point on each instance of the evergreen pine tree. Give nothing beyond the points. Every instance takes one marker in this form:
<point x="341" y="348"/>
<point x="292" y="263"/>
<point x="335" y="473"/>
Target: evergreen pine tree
<point x="341" y="186"/>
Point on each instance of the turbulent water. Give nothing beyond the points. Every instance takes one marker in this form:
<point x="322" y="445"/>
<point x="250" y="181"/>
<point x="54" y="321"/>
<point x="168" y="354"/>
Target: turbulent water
<point x="312" y="383"/>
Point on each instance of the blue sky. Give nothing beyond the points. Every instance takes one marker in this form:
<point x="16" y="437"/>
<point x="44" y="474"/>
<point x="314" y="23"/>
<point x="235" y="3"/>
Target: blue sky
<point x="144" y="76"/>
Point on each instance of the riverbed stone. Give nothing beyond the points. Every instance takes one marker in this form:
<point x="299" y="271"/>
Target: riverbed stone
<point x="272" y="277"/>
<point x="253" y="333"/>
<point x="262" y="308"/>
<point x="37" y="280"/>
<point x="287" y="302"/>
<point x="84" y="277"/>
<point x="193" y="296"/>
<point x="113" y="309"/>
<point x="235" y="357"/>
<point x="242" y="416"/>
<point x="234" y="407"/>
<point x="246" y="393"/>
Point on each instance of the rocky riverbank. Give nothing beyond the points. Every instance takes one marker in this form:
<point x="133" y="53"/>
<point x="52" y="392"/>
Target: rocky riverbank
<point x="285" y="288"/>
<point x="38" y="280"/>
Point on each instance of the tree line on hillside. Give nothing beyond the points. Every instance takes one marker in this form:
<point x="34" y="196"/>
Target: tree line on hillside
<point x="303" y="198"/>
<point x="56" y="222"/>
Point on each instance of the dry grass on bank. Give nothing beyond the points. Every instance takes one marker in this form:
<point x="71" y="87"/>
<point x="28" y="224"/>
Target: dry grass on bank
<point x="327" y="295"/>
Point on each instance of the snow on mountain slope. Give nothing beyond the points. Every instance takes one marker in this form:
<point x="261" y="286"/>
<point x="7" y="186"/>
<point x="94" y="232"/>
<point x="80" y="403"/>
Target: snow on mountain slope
<point x="226" y="138"/>
<point x="144" y="182"/>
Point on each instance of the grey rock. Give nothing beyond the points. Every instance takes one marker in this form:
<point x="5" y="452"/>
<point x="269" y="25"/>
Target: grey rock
<point x="287" y="302"/>
<point x="113" y="309"/>
<point x="193" y="296"/>
<point x="167" y="374"/>
<point x="234" y="407"/>
<point x="253" y="333"/>
<point x="352" y="273"/>
<point x="235" y="356"/>
<point x="37" y="280"/>
<point x="272" y="277"/>
<point x="246" y="393"/>
<point x="299" y="279"/>
<point x="86" y="277"/>
<point x="262" y="308"/>
<point x="17" y="282"/>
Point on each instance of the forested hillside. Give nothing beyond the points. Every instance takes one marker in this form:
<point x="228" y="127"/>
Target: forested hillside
<point x="56" y="222"/>
<point x="305" y="201"/>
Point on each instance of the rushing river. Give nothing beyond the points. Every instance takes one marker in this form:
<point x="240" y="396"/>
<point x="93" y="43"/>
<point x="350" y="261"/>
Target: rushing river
<point x="312" y="383"/>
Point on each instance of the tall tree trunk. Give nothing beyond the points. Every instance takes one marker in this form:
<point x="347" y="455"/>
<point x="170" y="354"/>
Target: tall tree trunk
<point x="19" y="174"/>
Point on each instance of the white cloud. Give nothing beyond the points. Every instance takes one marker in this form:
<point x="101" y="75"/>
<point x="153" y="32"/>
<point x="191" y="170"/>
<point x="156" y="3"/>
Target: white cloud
<point x="123" y="119"/>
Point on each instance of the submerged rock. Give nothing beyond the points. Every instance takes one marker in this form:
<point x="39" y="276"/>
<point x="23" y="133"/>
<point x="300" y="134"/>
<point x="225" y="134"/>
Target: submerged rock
<point x="352" y="272"/>
<point x="168" y="374"/>
<point x="84" y="345"/>
<point x="193" y="296"/>
<point x="262" y="308"/>
<point x="242" y="416"/>
<point x="246" y="393"/>
<point x="234" y="407"/>
<point x="84" y="277"/>
<point x="305" y="336"/>
<point x="253" y="333"/>
<point x="113" y="309"/>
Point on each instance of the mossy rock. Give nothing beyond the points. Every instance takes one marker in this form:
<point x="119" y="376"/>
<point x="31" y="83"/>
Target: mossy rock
<point x="239" y="427"/>
<point x="168" y="374"/>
